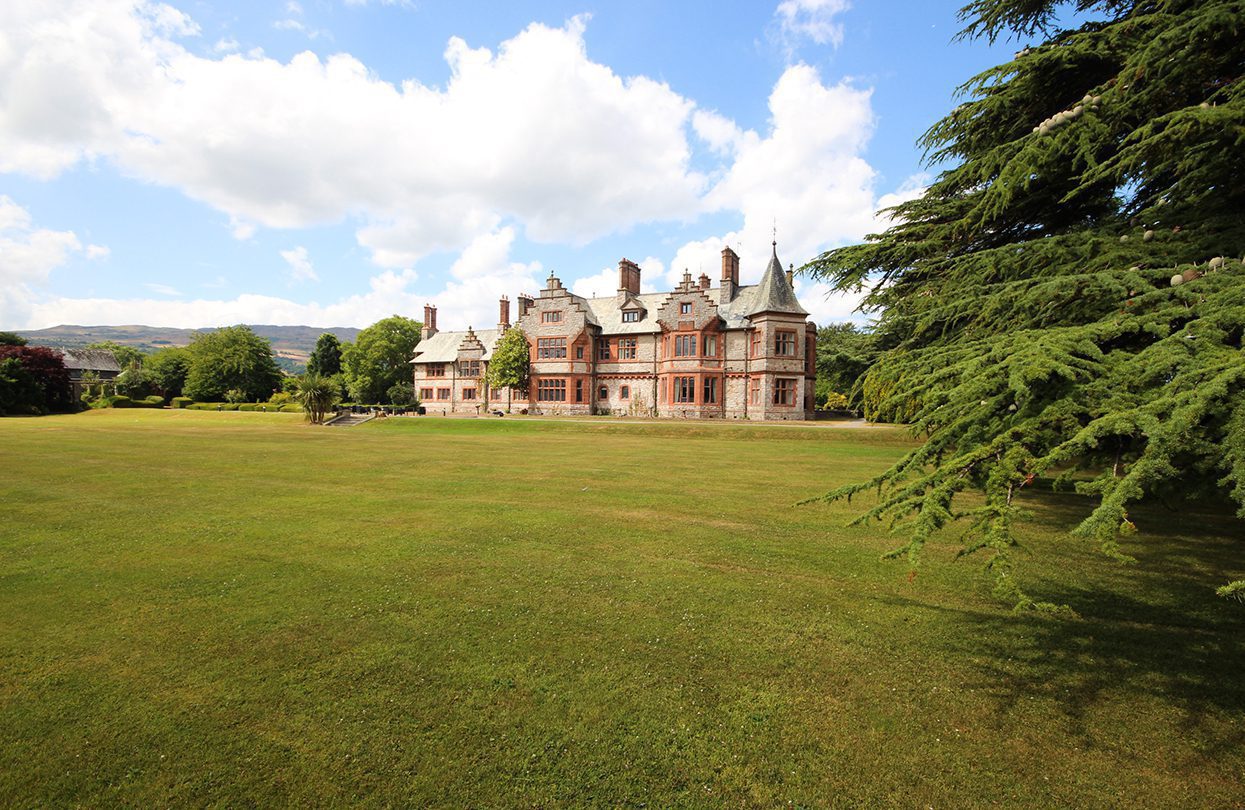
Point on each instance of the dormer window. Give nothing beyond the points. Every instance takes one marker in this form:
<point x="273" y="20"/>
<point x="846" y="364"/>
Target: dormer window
<point x="685" y="308"/>
<point x="631" y="316"/>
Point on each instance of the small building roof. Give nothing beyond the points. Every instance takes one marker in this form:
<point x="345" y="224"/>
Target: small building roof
<point x="772" y="293"/>
<point x="443" y="346"/>
<point x="90" y="360"/>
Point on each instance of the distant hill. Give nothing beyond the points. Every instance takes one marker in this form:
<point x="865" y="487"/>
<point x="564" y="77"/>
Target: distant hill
<point x="291" y="344"/>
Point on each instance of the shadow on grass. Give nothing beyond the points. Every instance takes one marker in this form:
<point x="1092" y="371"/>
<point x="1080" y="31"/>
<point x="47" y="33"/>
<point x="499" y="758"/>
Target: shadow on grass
<point x="1152" y="637"/>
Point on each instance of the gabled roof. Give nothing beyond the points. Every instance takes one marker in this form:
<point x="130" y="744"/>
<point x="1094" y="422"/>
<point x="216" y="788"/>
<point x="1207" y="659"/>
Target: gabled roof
<point x="443" y="346"/>
<point x="90" y="360"/>
<point x="607" y="314"/>
<point x="772" y="293"/>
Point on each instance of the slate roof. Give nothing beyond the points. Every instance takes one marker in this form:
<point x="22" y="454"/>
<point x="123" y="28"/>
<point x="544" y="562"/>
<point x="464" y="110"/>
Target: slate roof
<point x="772" y="293"/>
<point x="90" y="360"/>
<point x="607" y="314"/>
<point x="443" y="346"/>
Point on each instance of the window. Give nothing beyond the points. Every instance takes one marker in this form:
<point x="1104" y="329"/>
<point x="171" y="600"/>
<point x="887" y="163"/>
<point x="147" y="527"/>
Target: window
<point x="624" y="392"/>
<point x="443" y="393"/>
<point x="685" y="308"/>
<point x="756" y="343"/>
<point x="436" y="369"/>
<point x="496" y="393"/>
<point x="784" y="344"/>
<point x="711" y="391"/>
<point x="469" y="393"/>
<point x="469" y="368"/>
<point x="755" y="395"/>
<point x="603" y="350"/>
<point x="626" y="348"/>
<point x="684" y="345"/>
<point x="684" y="389"/>
<point x="553" y="316"/>
<point x="550" y="348"/>
<point x="579" y="390"/>
<point x="631" y="316"/>
<point x="711" y="345"/>
<point x="551" y="390"/>
<point x="603" y="393"/>
<point x="425" y="393"/>
<point x="579" y="352"/>
<point x="784" y="392"/>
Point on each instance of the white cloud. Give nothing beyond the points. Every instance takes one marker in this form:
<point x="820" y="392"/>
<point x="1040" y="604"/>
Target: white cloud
<point x="28" y="255"/>
<point x="811" y="19"/>
<point x="583" y="151"/>
<point x="300" y="264"/>
<point x="163" y="289"/>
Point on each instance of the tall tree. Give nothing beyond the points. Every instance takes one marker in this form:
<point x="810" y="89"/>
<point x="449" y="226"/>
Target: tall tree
<point x="1065" y="297"/>
<point x="168" y="368"/>
<point x="231" y="359"/>
<point x="11" y="339"/>
<point x="510" y="365"/>
<point x="844" y="354"/>
<point x="326" y="357"/>
<point x="379" y="357"/>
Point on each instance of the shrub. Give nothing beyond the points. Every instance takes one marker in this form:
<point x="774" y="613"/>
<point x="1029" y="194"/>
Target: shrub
<point x="281" y="398"/>
<point x="292" y="407"/>
<point x="117" y="401"/>
<point x="248" y="406"/>
<point x="154" y="400"/>
<point x="182" y="402"/>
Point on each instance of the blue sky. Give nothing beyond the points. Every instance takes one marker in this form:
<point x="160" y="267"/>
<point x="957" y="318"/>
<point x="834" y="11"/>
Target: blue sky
<point x="331" y="162"/>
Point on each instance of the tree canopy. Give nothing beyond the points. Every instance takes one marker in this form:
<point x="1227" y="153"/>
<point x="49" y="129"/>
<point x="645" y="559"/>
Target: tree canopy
<point x="379" y="357"/>
<point x="167" y="370"/>
<point x="326" y="357"/>
<point x="844" y="354"/>
<point x="1066" y="299"/>
<point x="231" y="359"/>
<point x="510" y="366"/>
<point x="33" y="379"/>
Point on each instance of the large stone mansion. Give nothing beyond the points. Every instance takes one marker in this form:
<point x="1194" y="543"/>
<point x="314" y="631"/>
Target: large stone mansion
<point x="699" y="352"/>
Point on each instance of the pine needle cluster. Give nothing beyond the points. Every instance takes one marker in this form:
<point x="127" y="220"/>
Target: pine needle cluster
<point x="1067" y="301"/>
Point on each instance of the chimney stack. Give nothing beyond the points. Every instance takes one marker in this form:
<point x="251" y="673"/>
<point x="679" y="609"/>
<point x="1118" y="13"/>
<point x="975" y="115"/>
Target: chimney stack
<point x="791" y="276"/>
<point x="628" y="277"/>
<point x="503" y="315"/>
<point x="525" y="303"/>
<point x="704" y="281"/>
<point x="730" y="274"/>
<point x="430" y="322"/>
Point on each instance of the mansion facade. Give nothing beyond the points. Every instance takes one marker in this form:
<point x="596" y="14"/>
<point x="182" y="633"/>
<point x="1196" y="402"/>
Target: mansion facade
<point x="698" y="352"/>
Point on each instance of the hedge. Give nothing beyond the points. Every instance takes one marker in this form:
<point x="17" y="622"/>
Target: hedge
<point x="249" y="407"/>
<point x="182" y="402"/>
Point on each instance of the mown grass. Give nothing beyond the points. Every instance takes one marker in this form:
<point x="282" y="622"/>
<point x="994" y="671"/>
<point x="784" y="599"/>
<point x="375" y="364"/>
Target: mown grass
<point x="236" y="609"/>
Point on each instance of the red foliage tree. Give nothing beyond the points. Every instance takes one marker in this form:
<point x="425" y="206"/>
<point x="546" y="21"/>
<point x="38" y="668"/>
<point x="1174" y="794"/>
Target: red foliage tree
<point x="37" y="383"/>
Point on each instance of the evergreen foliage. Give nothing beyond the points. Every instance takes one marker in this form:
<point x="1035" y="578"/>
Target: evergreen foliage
<point x="317" y="395"/>
<point x="844" y="353"/>
<point x="1068" y="298"/>
<point x="379" y="357"/>
<point x="231" y="359"/>
<point x="510" y="366"/>
<point x="11" y="339"/>
<point x="326" y="357"/>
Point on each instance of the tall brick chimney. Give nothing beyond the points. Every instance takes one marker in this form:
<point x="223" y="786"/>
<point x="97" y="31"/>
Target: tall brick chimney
<point x="503" y="314"/>
<point x="525" y="303"/>
<point x="628" y="277"/>
<point x="430" y="322"/>
<point x="704" y="281"/>
<point x="730" y="274"/>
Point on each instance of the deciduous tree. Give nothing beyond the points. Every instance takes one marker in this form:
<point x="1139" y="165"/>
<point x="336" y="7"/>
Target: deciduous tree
<point x="510" y="366"/>
<point x="1067" y="298"/>
<point x="379" y="357"/>
<point x="232" y="358"/>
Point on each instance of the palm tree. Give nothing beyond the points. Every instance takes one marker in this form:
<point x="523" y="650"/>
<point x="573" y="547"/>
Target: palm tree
<point x="317" y="395"/>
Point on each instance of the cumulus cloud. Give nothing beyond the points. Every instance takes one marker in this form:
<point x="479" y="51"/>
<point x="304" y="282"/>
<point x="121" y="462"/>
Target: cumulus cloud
<point x="583" y="151"/>
<point x="28" y="255"/>
<point x="299" y="262"/>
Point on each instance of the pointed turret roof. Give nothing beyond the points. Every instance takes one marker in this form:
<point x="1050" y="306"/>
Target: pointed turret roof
<point x="772" y="293"/>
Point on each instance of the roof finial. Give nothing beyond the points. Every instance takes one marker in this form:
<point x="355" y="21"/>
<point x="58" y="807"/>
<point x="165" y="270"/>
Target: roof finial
<point x="774" y="233"/>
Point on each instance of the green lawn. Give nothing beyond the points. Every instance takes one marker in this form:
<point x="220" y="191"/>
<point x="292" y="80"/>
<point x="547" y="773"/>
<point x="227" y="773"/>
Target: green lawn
<point x="237" y="609"/>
